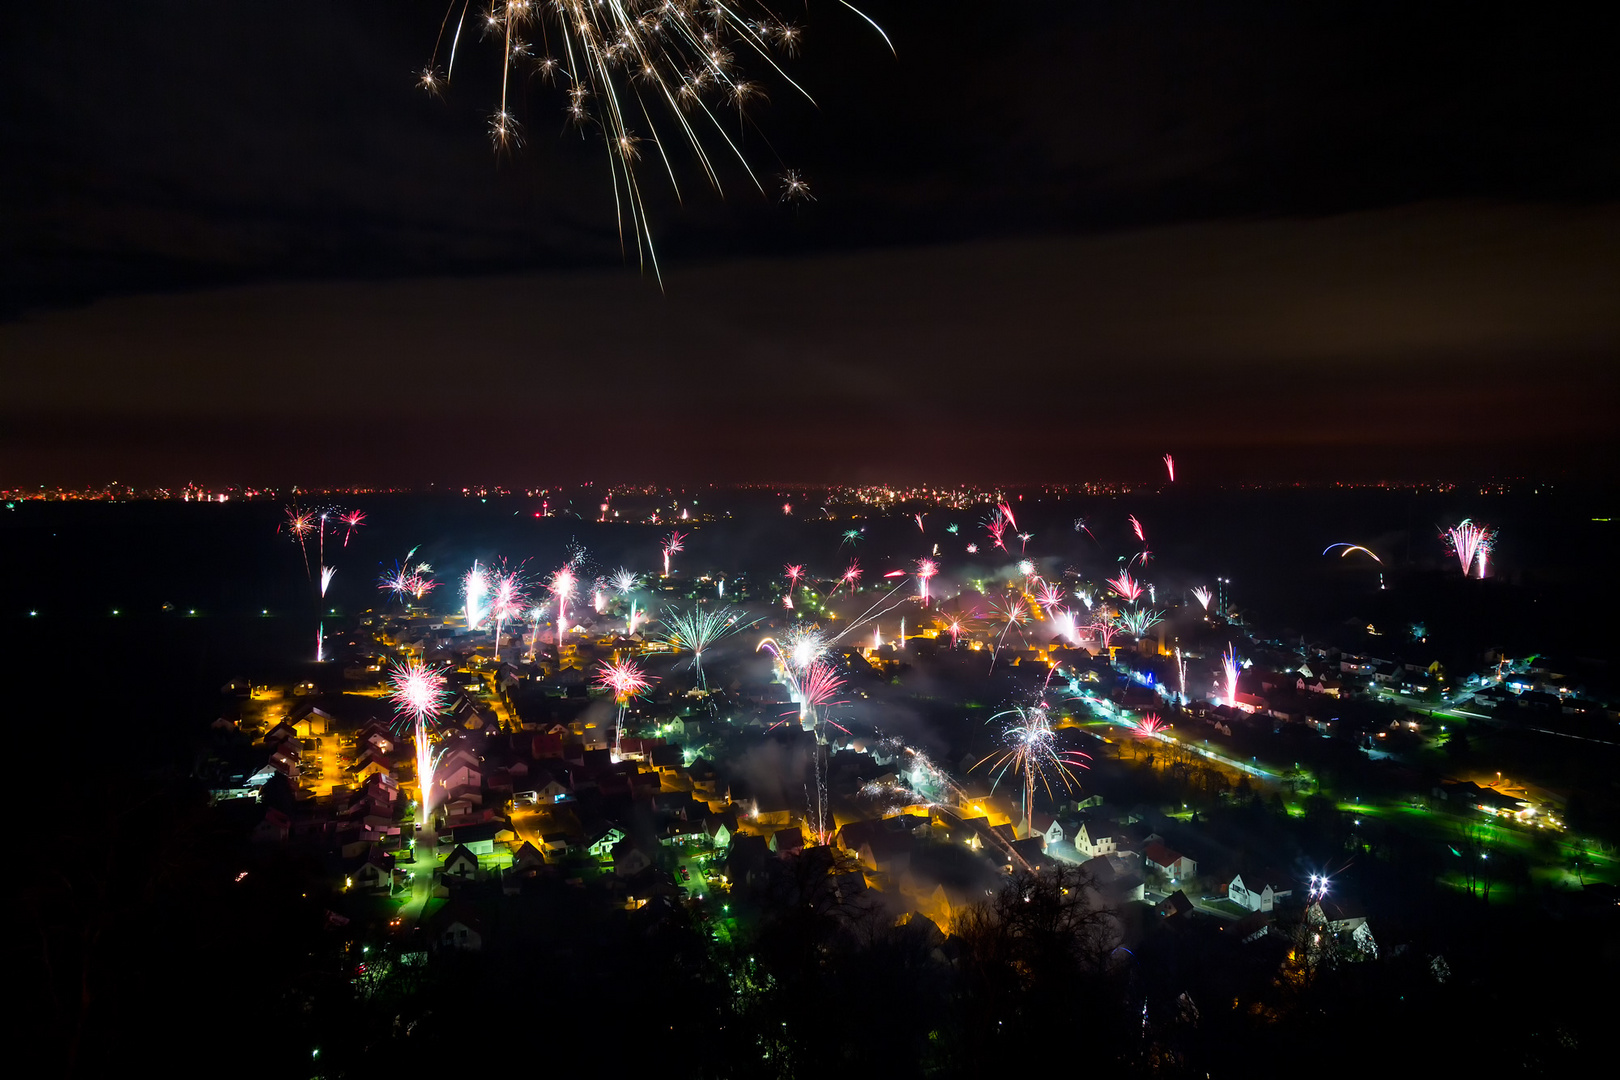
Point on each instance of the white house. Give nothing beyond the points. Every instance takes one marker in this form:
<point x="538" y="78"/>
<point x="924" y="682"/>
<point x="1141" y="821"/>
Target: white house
<point x="1257" y="894"/>
<point x="1047" y="828"/>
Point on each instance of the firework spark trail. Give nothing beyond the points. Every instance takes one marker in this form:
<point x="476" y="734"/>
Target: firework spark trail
<point x="299" y="523"/>
<point x="1348" y="548"/>
<point x="1471" y="543"/>
<point x="1136" y="527"/>
<point x="419" y="696"/>
<point x="562" y="586"/>
<point x="673" y="544"/>
<point x="697" y="629"/>
<point x="926" y="568"/>
<point x="537" y="615"/>
<point x="1203" y="596"/>
<point x="1126" y="587"/>
<point x="1048" y="595"/>
<point x="1170" y="467"/>
<point x="396" y="581"/>
<point x="1016" y="614"/>
<point x="1181" y="674"/>
<point x="1104" y="631"/>
<point x="850" y="576"/>
<point x="353" y="520"/>
<point x="1138" y="621"/>
<point x="877" y="610"/>
<point x="626" y="680"/>
<point x="997" y="528"/>
<point x="1063" y="622"/>
<point x="507" y="601"/>
<point x="1006" y="512"/>
<point x="1031" y="749"/>
<point x="474" y="587"/>
<point x="1149" y="727"/>
<point x="327" y="573"/>
<point x="1230" y="668"/>
<point x="632" y="56"/>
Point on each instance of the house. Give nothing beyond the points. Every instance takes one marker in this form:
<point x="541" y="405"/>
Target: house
<point x="1252" y="927"/>
<point x="602" y="838"/>
<point x="630" y="858"/>
<point x="1346" y="920"/>
<point x="377" y="874"/>
<point x="481" y="839"/>
<point x="1101" y="837"/>
<point x="461" y="864"/>
<point x="1173" y="864"/>
<point x="527" y="858"/>
<point x="1116" y="877"/>
<point x="460" y="769"/>
<point x="787" y="841"/>
<point x="1260" y="893"/>
<point x="746" y="858"/>
<point x="1048" y="828"/>
<point x="455" y="926"/>
<point x="1176" y="904"/>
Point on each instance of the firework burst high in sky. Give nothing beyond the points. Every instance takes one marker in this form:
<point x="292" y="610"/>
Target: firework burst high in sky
<point x="670" y="65"/>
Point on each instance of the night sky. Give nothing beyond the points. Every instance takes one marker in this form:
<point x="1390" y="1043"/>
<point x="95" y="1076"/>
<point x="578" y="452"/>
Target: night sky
<point x="1049" y="241"/>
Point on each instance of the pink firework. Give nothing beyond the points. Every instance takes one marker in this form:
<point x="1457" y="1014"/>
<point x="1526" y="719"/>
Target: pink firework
<point x="1471" y="543"/>
<point x="419" y="690"/>
<point x="396" y="581"/>
<point x="850" y="577"/>
<point x="1170" y="467"/>
<point x="1149" y="727"/>
<point x="997" y="528"/>
<point x="1136" y="526"/>
<point x="673" y="543"/>
<point x="1048" y="595"/>
<point x="419" y="696"/>
<point x="794" y="572"/>
<point x="562" y="587"/>
<point x="623" y="677"/>
<point x="919" y="523"/>
<point x="420" y="583"/>
<point x="1104" y="630"/>
<point x="507" y="600"/>
<point x="818" y="686"/>
<point x="353" y="520"/>
<point x="1229" y="670"/>
<point x="926" y="568"/>
<point x="1126" y="587"/>
<point x="1006" y="512"/>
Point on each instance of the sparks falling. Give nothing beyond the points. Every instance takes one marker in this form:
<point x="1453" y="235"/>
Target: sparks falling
<point x="1031" y="748"/>
<point x="418" y="697"/>
<point x="627" y="61"/>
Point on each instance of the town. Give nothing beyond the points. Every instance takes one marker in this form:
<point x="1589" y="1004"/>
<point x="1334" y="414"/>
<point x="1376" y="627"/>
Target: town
<point x="1199" y="786"/>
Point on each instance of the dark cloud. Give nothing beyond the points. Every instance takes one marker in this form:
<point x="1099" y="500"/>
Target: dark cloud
<point x="1421" y="326"/>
